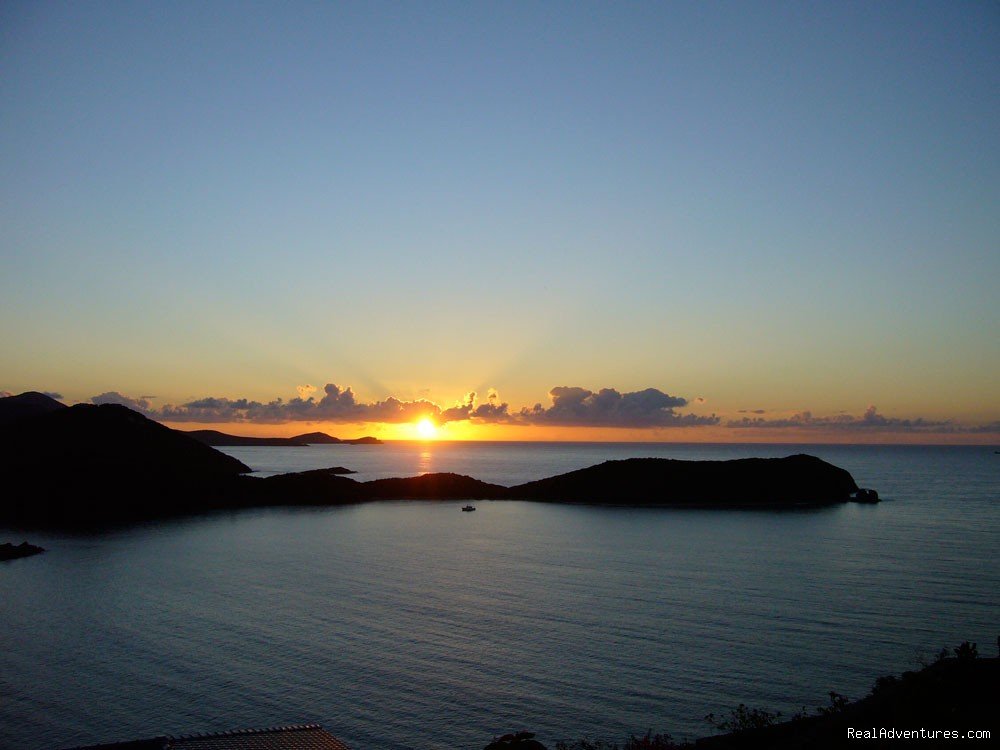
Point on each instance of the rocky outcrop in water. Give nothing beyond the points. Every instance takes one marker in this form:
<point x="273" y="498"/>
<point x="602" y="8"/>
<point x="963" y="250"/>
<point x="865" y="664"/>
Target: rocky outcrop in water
<point x="10" y="551"/>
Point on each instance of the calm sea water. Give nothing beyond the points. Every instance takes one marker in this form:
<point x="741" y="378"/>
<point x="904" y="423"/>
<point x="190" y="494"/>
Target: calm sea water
<point x="414" y="625"/>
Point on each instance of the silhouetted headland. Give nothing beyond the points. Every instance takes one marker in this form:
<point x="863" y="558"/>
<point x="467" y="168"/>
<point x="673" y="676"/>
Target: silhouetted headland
<point x="26" y="405"/>
<point x="794" y="480"/>
<point x="216" y="438"/>
<point x="97" y="464"/>
<point x="10" y="551"/>
<point x="88" y="465"/>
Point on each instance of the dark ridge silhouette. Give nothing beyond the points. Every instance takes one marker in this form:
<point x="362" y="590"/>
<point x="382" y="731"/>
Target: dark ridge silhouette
<point x="93" y="464"/>
<point x="317" y="487"/>
<point x="25" y="406"/>
<point x="10" y="551"/>
<point x="366" y="440"/>
<point x="321" y="438"/>
<point x="216" y="438"/>
<point x="316" y="438"/>
<point x="444" y="486"/>
<point x="794" y="480"/>
<point x="222" y="439"/>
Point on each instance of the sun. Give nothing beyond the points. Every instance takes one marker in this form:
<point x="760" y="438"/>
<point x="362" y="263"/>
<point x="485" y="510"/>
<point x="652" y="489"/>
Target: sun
<point x="426" y="428"/>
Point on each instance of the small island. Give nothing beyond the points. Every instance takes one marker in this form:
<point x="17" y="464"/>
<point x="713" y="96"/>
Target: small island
<point x="10" y="551"/>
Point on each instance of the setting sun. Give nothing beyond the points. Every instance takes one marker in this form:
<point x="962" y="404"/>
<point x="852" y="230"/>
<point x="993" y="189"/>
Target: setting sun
<point x="426" y="428"/>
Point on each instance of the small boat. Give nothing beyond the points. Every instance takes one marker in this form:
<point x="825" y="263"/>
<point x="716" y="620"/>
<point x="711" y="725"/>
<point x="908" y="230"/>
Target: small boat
<point x="468" y="508"/>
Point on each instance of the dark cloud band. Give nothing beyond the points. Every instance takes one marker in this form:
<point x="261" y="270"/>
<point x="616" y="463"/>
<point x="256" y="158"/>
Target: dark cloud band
<point x="871" y="420"/>
<point x="570" y="406"/>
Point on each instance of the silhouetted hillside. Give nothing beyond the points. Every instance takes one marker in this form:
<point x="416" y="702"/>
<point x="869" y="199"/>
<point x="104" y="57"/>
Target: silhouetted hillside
<point x="25" y="405"/>
<point x="97" y="463"/>
<point x="216" y="438"/>
<point x="786" y="481"/>
<point x="220" y="439"/>
<point x="317" y="487"/>
<point x="316" y="438"/>
<point x="321" y="438"/>
<point x="443" y="486"/>
<point x="366" y="440"/>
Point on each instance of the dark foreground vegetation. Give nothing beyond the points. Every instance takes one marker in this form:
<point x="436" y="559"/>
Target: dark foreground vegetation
<point x="956" y="694"/>
<point x="92" y="466"/>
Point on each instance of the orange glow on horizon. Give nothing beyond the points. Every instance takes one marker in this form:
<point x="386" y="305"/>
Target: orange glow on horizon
<point x="465" y="430"/>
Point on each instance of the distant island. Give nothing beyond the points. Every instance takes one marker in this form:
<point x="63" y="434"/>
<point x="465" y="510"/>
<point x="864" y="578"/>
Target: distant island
<point x="109" y="464"/>
<point x="216" y="438"/>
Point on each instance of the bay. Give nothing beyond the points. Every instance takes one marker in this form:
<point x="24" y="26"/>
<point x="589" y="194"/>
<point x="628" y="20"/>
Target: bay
<point x="414" y="625"/>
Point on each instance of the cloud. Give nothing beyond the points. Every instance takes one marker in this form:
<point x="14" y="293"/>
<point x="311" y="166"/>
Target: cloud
<point x="5" y="394"/>
<point x="305" y="391"/>
<point x="336" y="405"/>
<point x="752" y="411"/>
<point x="493" y="411"/>
<point x="460" y="411"/>
<point x="870" y="420"/>
<point x="573" y="406"/>
<point x="114" y="397"/>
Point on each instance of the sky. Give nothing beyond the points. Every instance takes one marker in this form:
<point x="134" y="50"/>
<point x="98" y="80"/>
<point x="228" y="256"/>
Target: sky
<point x="637" y="221"/>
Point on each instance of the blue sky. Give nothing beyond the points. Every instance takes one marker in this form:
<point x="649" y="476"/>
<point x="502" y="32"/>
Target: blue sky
<point x="778" y="206"/>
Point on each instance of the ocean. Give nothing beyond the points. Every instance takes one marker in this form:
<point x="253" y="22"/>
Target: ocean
<point x="415" y="625"/>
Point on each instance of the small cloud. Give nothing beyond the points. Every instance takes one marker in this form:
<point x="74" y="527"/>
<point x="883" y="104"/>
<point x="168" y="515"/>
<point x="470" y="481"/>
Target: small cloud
<point x="459" y="411"/>
<point x="305" y="391"/>
<point x="494" y="411"/>
<point x="699" y="400"/>
<point x="5" y="394"/>
<point x="53" y="394"/>
<point x="113" y="397"/>
<point x="752" y="411"/>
